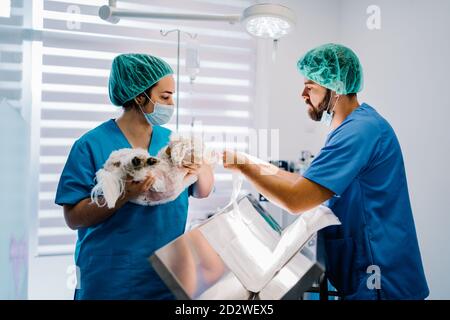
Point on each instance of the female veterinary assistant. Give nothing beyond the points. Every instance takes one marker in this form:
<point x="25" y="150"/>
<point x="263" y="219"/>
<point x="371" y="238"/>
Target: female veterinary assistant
<point x="114" y="244"/>
<point x="374" y="253"/>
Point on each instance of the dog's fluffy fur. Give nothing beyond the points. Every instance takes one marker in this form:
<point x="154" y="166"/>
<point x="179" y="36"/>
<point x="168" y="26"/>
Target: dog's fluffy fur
<point x="167" y="168"/>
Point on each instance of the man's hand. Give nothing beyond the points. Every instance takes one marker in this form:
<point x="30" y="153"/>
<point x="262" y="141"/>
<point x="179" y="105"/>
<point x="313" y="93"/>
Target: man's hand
<point x="234" y="160"/>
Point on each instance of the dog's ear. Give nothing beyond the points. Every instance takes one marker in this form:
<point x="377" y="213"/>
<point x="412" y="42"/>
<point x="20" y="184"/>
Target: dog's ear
<point x="178" y="151"/>
<point x="109" y="186"/>
<point x="136" y="161"/>
<point x="152" y="161"/>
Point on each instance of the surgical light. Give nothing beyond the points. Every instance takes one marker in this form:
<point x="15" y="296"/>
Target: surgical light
<point x="272" y="21"/>
<point x="268" y="20"/>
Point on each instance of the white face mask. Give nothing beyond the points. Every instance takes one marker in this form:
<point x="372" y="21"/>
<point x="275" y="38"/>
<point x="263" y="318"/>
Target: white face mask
<point x="327" y="116"/>
<point x="161" y="113"/>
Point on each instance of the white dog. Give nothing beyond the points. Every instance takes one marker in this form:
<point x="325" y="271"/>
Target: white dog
<point x="167" y="169"/>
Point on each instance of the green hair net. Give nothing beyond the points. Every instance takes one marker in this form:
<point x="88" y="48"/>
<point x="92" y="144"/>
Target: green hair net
<point x="333" y="66"/>
<point x="133" y="73"/>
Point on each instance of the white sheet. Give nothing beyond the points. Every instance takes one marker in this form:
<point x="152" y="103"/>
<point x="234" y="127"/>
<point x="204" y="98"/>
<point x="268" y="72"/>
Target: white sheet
<point x="252" y="250"/>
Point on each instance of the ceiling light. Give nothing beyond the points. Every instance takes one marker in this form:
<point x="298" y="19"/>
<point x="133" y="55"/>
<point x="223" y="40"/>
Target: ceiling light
<point x="271" y="21"/>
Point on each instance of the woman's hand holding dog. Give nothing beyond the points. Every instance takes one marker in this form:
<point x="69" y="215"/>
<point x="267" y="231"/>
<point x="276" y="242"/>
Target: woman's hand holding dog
<point x="86" y="213"/>
<point x="134" y="188"/>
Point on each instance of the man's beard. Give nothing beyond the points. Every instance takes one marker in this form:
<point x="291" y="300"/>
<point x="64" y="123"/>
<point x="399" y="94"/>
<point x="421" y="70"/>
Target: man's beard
<point x="316" y="113"/>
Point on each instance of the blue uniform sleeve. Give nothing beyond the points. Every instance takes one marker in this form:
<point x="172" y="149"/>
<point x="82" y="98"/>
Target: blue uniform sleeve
<point x="77" y="178"/>
<point x="347" y="152"/>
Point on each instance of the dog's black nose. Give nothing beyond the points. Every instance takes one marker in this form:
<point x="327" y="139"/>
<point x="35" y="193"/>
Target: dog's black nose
<point x="136" y="161"/>
<point x="151" y="161"/>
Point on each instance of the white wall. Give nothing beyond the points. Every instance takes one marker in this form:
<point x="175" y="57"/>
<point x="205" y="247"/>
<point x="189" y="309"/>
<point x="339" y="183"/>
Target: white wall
<point x="406" y="69"/>
<point x="14" y="225"/>
<point x="51" y="278"/>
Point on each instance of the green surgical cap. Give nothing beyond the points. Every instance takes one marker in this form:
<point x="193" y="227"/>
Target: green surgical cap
<point x="333" y="66"/>
<point x="133" y="73"/>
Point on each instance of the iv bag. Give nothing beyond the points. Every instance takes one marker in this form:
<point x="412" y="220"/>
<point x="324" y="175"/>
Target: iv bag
<point x="192" y="59"/>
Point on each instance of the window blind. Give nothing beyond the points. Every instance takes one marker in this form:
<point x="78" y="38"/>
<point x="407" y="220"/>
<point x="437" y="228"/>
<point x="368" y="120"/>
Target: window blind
<point x="77" y="51"/>
<point x="11" y="51"/>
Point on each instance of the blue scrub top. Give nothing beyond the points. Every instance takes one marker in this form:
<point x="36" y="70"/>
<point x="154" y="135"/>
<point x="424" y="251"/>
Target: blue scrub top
<point x="112" y="256"/>
<point x="362" y="164"/>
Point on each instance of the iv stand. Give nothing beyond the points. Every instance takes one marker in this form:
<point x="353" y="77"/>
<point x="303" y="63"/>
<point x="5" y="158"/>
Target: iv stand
<point x="193" y="36"/>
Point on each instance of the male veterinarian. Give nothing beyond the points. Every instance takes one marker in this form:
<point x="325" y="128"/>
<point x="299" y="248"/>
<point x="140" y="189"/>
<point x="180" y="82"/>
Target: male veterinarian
<point x="360" y="175"/>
